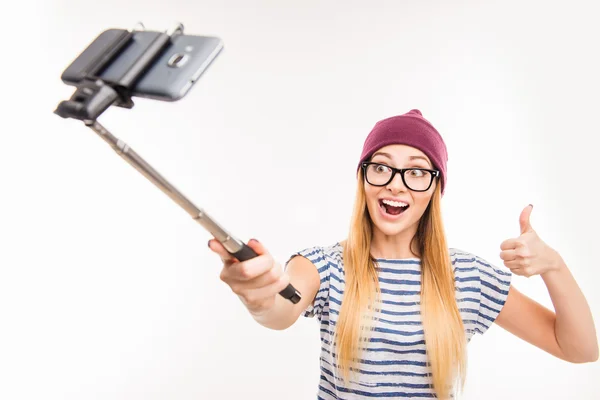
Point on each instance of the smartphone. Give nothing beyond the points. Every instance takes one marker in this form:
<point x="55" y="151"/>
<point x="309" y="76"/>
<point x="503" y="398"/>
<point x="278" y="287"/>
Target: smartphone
<point x="171" y="75"/>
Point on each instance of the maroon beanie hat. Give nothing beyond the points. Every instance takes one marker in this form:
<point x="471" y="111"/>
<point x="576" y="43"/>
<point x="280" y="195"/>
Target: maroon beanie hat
<point x="413" y="130"/>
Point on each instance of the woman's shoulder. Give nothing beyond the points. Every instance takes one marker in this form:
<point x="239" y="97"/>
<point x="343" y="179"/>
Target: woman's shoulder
<point x="327" y="259"/>
<point x="323" y="254"/>
<point x="462" y="258"/>
<point x="482" y="286"/>
<point x="468" y="263"/>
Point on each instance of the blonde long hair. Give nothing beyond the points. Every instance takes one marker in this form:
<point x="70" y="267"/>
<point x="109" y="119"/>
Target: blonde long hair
<point x="442" y="323"/>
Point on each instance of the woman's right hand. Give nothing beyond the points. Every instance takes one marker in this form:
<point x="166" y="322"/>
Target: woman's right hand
<point x="256" y="281"/>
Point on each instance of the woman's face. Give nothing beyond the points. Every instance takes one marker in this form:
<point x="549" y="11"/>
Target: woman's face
<point x="407" y="206"/>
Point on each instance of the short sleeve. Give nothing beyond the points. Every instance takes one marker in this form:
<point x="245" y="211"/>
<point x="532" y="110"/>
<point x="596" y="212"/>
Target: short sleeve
<point x="494" y="284"/>
<point x="317" y="256"/>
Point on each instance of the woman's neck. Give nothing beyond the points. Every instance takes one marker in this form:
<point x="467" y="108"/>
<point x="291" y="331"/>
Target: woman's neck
<point x="392" y="247"/>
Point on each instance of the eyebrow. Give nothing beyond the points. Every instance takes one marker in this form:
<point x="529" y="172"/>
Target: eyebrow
<point x="411" y="158"/>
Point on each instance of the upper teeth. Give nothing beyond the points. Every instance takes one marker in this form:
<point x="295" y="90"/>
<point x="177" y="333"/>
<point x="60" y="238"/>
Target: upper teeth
<point x="394" y="203"/>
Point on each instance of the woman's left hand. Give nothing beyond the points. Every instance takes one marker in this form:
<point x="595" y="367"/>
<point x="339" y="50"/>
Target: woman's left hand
<point x="528" y="255"/>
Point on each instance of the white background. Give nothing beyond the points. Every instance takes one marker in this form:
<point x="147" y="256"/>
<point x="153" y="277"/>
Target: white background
<point x="107" y="288"/>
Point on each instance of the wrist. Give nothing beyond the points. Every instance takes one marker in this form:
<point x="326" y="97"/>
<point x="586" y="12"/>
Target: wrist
<point x="261" y="311"/>
<point x="556" y="266"/>
<point x="273" y="317"/>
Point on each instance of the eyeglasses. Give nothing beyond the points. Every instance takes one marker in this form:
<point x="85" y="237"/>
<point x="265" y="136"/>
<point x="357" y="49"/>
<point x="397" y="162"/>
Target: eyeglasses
<point x="415" y="179"/>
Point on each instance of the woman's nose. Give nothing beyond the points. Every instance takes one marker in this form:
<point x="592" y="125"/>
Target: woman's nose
<point x="396" y="184"/>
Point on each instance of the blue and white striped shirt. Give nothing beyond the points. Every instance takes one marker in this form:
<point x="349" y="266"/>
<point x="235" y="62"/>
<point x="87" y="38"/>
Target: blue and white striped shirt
<point x="394" y="363"/>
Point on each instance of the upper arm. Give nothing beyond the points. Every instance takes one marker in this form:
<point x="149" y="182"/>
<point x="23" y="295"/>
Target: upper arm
<point x="305" y="278"/>
<point x="530" y="321"/>
<point x="489" y="290"/>
<point x="311" y="267"/>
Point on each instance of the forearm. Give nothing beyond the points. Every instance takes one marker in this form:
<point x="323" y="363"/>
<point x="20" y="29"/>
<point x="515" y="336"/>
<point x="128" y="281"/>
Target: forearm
<point x="574" y="327"/>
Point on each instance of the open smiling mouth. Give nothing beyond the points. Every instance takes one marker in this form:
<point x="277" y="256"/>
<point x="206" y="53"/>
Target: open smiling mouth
<point x="393" y="207"/>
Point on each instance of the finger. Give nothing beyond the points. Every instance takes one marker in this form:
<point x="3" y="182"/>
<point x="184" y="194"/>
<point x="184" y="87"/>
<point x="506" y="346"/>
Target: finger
<point x="518" y="271"/>
<point x="524" y="222"/>
<point x="258" y="294"/>
<point x="257" y="246"/>
<point x="251" y="269"/>
<point x="257" y="272"/>
<point x="245" y="286"/>
<point x="513" y="265"/>
<point x="218" y="248"/>
<point x="269" y="277"/>
<point x="508" y="255"/>
<point x="510" y="244"/>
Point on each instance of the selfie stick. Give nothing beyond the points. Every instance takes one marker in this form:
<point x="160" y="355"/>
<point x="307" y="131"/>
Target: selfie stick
<point x="94" y="95"/>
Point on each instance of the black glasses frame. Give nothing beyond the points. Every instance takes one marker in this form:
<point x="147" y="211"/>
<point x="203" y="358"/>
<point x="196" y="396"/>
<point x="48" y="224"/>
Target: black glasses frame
<point x="434" y="174"/>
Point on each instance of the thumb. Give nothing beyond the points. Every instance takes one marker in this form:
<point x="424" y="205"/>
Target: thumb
<point x="226" y="257"/>
<point x="257" y="246"/>
<point x="524" y="219"/>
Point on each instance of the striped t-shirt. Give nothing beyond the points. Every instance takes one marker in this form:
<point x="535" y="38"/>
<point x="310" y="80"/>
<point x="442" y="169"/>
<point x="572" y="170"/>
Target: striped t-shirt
<point x="394" y="363"/>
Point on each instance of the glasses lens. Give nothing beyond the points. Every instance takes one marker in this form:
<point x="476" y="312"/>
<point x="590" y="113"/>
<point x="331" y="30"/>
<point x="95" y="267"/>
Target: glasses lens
<point x="378" y="174"/>
<point x="417" y="179"/>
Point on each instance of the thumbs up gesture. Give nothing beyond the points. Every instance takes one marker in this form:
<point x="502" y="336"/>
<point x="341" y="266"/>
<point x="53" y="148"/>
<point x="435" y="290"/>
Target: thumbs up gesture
<point x="528" y="255"/>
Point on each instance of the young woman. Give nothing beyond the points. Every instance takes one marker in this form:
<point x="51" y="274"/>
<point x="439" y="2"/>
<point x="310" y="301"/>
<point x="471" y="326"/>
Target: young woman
<point x="396" y="306"/>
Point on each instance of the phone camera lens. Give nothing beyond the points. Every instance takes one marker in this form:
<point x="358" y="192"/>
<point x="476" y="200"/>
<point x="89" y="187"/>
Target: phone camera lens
<point x="177" y="60"/>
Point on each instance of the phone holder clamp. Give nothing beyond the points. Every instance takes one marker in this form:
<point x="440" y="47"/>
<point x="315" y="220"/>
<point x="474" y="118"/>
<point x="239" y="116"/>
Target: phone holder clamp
<point x="94" y="95"/>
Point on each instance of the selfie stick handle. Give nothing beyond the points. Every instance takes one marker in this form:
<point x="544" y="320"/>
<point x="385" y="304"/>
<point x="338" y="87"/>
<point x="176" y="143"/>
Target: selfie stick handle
<point x="234" y="246"/>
